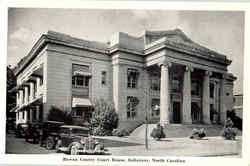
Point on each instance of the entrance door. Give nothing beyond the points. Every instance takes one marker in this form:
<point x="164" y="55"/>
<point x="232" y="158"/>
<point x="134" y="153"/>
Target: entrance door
<point x="195" y="112"/>
<point x="176" y="112"/>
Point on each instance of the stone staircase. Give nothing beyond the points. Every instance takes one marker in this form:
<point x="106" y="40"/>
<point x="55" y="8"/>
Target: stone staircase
<point x="179" y="130"/>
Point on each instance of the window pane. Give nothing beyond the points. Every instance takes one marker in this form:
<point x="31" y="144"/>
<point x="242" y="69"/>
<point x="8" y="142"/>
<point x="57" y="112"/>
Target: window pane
<point x="132" y="78"/>
<point x="79" y="81"/>
<point x="132" y="103"/>
<point x="73" y="81"/>
<point x="86" y="81"/>
<point x="211" y="90"/>
<point x="195" y="88"/>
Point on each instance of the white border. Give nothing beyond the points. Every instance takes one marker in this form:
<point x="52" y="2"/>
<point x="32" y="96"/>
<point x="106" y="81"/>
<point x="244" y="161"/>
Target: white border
<point x="57" y="160"/>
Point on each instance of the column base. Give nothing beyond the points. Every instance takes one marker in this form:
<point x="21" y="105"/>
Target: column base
<point x="207" y="123"/>
<point x="187" y="123"/>
<point x="164" y="123"/>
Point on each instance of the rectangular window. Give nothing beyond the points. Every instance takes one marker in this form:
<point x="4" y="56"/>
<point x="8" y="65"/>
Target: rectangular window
<point x="176" y="88"/>
<point x="80" y="76"/>
<point x="104" y="77"/>
<point x="80" y="81"/>
<point x="132" y="103"/>
<point x="23" y="114"/>
<point x="132" y="75"/>
<point x="155" y="81"/>
<point x="195" y="87"/>
<point x="78" y="112"/>
<point x="211" y="88"/>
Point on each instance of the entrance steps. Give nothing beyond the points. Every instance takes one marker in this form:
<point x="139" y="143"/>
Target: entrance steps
<point x="179" y="130"/>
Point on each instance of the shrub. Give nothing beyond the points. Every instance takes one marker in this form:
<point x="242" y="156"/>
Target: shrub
<point x="120" y="132"/>
<point x="229" y="132"/>
<point x="158" y="132"/>
<point x="60" y="115"/>
<point x="197" y="134"/>
<point x="104" y="118"/>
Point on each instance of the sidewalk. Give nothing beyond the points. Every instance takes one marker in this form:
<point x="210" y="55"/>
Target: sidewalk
<point x="210" y="146"/>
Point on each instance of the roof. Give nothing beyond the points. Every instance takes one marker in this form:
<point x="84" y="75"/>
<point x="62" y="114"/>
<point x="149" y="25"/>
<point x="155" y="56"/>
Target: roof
<point x="173" y="39"/>
<point x="179" y="39"/>
<point x="74" y="127"/>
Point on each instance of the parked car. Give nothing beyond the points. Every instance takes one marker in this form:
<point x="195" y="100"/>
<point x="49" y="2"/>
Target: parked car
<point x="33" y="132"/>
<point x="49" y="134"/>
<point x="76" y="140"/>
<point x="20" y="130"/>
<point x="10" y="125"/>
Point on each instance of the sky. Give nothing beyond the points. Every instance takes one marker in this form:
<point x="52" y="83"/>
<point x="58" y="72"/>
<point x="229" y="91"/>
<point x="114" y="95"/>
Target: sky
<point x="222" y="31"/>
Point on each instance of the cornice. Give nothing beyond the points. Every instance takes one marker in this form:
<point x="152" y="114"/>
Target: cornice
<point x="149" y="49"/>
<point x="186" y="49"/>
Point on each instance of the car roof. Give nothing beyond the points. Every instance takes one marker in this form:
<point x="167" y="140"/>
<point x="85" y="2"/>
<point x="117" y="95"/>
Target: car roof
<point x="22" y="123"/>
<point x="74" y="127"/>
<point x="54" y="122"/>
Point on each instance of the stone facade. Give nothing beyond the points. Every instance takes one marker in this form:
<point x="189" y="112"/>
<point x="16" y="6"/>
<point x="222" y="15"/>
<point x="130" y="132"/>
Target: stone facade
<point x="161" y="75"/>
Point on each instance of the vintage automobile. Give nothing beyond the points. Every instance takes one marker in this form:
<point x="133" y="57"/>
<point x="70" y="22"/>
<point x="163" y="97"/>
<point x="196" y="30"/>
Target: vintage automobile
<point x="76" y="140"/>
<point x="49" y="134"/>
<point x="33" y="132"/>
<point x="20" y="130"/>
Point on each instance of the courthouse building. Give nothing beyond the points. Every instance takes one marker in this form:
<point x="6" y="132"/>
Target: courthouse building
<point x="163" y="75"/>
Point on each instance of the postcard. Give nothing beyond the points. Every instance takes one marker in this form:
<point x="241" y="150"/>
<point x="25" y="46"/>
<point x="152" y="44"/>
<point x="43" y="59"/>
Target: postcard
<point x="125" y="83"/>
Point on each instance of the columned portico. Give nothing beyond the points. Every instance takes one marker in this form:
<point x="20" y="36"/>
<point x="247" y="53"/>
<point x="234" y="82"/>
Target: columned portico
<point x="186" y="108"/>
<point x="206" y="97"/>
<point x="164" y="93"/>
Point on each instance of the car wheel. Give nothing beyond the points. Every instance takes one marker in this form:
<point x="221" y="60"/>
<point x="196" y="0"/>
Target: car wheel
<point x="40" y="142"/>
<point x="50" y="143"/>
<point x="74" y="150"/>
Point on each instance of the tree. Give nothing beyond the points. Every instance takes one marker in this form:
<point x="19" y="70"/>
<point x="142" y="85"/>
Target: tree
<point x="10" y="96"/>
<point x="104" y="118"/>
<point x="56" y="114"/>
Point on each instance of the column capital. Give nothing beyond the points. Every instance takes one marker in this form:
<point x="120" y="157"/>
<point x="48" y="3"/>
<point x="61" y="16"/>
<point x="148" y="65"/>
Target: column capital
<point x="208" y="73"/>
<point x="189" y="68"/>
<point x="164" y="63"/>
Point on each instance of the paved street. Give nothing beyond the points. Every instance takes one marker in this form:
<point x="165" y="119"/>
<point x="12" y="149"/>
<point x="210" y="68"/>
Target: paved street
<point x="208" y="147"/>
<point x="19" y="146"/>
<point x="131" y="146"/>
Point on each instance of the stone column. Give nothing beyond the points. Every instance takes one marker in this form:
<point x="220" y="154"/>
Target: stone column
<point x="37" y="113"/>
<point x="37" y="86"/>
<point x="17" y="98"/>
<point x="186" y="106"/>
<point x="32" y="91"/>
<point x="26" y="95"/>
<point x="206" y="98"/>
<point x="21" y="97"/>
<point x="164" y="94"/>
<point x="25" y="115"/>
<point x="31" y="113"/>
<point x="223" y="108"/>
